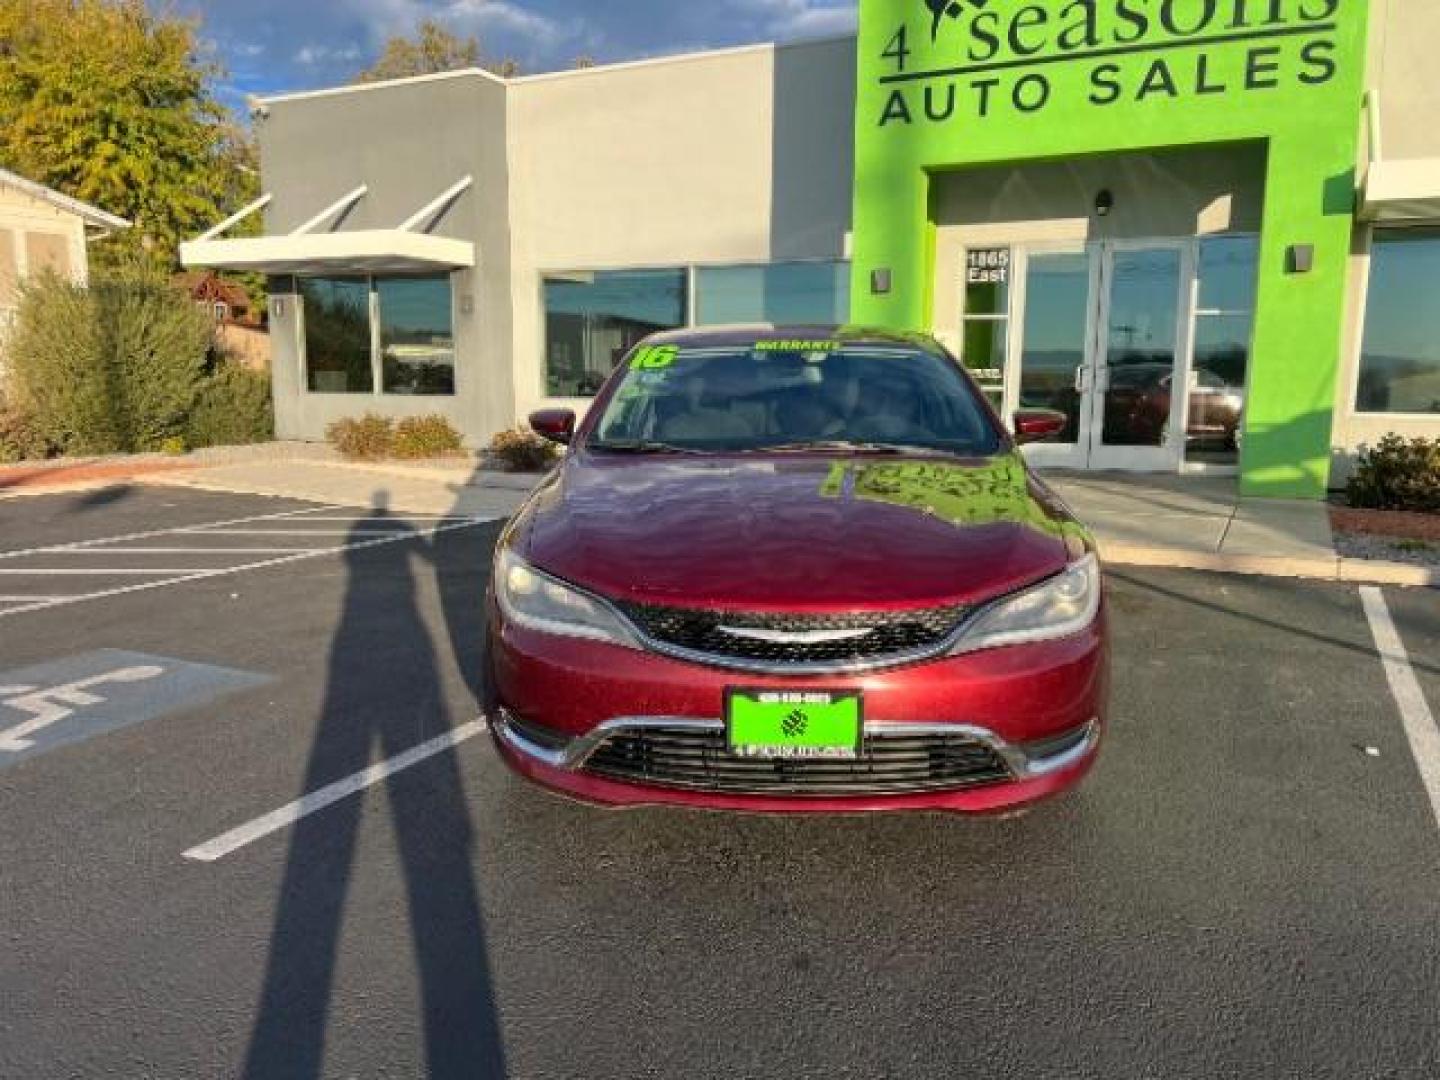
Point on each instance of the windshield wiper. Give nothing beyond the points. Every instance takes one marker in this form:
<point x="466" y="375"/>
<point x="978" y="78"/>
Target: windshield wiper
<point x="858" y="446"/>
<point x="642" y="446"/>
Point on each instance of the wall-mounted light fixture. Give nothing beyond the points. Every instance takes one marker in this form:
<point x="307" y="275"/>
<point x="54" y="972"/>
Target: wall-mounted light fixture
<point x="1104" y="203"/>
<point x="880" y="281"/>
<point x="1300" y="258"/>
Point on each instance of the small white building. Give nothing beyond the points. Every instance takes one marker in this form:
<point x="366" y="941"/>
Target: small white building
<point x="42" y="230"/>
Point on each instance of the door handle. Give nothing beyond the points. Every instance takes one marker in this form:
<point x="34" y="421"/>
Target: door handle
<point x="1080" y="379"/>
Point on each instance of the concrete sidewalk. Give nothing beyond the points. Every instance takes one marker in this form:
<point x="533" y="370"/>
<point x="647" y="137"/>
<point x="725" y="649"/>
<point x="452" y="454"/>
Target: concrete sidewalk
<point x="460" y="489"/>
<point x="1202" y="523"/>
<point x="1192" y="522"/>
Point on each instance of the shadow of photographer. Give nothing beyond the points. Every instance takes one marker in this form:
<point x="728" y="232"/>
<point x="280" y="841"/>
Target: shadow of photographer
<point x="383" y="653"/>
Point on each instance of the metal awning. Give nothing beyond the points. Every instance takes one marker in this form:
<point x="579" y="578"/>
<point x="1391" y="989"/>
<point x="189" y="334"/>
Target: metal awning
<point x="406" y="248"/>
<point x="1401" y="191"/>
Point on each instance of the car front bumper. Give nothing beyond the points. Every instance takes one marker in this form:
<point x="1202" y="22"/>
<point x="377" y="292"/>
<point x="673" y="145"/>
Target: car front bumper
<point x="1038" y="709"/>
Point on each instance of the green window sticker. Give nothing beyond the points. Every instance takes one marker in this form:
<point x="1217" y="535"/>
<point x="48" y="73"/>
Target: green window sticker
<point x="654" y="357"/>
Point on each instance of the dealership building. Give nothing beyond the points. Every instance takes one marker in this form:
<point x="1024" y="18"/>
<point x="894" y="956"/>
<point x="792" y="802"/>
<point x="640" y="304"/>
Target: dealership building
<point x="1206" y="230"/>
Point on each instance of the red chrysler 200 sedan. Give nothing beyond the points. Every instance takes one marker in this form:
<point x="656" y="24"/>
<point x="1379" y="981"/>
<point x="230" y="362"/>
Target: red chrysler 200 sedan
<point x="796" y="570"/>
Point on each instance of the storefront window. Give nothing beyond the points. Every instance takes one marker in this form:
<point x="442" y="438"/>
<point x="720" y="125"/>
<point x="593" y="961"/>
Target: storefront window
<point x="1224" y="321"/>
<point x="417" y="335"/>
<point x="1057" y="322"/>
<point x="337" y="335"/>
<point x="789" y="293"/>
<point x="985" y="330"/>
<point x="593" y="318"/>
<point x="1400" y="356"/>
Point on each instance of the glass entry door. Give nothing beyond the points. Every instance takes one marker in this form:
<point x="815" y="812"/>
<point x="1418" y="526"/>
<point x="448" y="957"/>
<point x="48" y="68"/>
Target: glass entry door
<point x="1103" y="340"/>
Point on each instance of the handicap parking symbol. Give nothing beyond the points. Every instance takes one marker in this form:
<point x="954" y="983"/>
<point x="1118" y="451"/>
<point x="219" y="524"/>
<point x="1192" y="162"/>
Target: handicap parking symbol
<point x="71" y="700"/>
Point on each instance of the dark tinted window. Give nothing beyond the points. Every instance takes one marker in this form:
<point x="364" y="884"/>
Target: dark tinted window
<point x="750" y="398"/>
<point x="1400" y="359"/>
<point x="337" y="335"/>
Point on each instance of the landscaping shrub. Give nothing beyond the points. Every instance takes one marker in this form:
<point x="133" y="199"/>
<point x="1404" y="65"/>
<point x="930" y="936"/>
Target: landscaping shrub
<point x="110" y="368"/>
<point x="520" y="450"/>
<point x="426" y="437"/>
<point x="1397" y="474"/>
<point x="232" y="408"/>
<point x="20" y="438"/>
<point x="362" y="438"/>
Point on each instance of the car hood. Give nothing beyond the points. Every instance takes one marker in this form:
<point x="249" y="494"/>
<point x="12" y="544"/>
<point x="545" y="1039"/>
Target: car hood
<point x="795" y="532"/>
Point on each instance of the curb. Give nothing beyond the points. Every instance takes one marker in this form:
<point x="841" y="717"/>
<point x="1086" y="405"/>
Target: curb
<point x="1351" y="571"/>
<point x="461" y="477"/>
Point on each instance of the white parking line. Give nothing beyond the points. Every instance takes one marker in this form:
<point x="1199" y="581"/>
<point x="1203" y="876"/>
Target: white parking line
<point x="1415" y="712"/>
<point x="397" y="531"/>
<point x="200" y="575"/>
<point x="287" y="815"/>
<point x="89" y="571"/>
<point x="153" y="533"/>
<point x="185" y="551"/>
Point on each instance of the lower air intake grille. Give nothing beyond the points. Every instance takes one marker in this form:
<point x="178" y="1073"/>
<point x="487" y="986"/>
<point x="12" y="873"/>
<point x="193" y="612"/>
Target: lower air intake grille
<point x="697" y="759"/>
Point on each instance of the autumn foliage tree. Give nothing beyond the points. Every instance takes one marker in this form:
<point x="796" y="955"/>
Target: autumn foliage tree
<point x="110" y="103"/>
<point x="432" y="50"/>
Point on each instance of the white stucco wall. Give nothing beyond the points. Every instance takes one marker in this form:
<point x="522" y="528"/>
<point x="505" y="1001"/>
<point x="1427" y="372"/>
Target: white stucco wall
<point x="1404" y="38"/>
<point x="739" y="156"/>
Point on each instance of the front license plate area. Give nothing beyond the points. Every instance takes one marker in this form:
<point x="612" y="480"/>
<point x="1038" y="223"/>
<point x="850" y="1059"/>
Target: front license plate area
<point x="794" y="725"/>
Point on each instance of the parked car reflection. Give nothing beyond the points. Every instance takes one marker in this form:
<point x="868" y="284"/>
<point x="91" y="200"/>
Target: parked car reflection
<point x="1137" y="408"/>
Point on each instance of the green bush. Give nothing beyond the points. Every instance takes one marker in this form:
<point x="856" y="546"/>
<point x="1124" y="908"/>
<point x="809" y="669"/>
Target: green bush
<point x="20" y="438"/>
<point x="362" y="438"/>
<point x="114" y="367"/>
<point x="1397" y="474"/>
<point x="520" y="450"/>
<point x="426" y="437"/>
<point x="232" y="408"/>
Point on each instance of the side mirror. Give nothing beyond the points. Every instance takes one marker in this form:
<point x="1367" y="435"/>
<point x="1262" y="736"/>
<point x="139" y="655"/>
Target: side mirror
<point x="1037" y="425"/>
<point x="557" y="425"/>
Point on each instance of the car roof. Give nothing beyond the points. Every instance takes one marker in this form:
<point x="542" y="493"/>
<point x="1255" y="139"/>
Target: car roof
<point x="748" y="334"/>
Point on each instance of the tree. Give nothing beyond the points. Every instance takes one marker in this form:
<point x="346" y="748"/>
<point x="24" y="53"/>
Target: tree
<point x="432" y="50"/>
<point x="109" y="103"/>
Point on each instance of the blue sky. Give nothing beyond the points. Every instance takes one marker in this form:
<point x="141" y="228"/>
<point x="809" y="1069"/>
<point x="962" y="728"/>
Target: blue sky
<point x="278" y="45"/>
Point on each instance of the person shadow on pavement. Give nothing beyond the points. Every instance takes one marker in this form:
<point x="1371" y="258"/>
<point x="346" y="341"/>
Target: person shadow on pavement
<point x="385" y="695"/>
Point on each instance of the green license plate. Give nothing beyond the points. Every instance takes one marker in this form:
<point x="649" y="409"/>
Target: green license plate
<point x="793" y="724"/>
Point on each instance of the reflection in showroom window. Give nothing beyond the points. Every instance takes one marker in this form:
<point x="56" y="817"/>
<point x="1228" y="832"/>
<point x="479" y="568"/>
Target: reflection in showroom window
<point x="594" y="317"/>
<point x="1400" y="356"/>
<point x="1224" y="325"/>
<point x="337" y="335"/>
<point x="417" y="335"/>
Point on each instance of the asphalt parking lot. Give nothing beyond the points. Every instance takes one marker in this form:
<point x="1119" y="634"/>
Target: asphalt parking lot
<point x="1248" y="885"/>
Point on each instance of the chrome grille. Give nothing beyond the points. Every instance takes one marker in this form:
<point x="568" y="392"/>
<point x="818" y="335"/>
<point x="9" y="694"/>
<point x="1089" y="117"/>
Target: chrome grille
<point x="785" y="638"/>
<point x="697" y="759"/>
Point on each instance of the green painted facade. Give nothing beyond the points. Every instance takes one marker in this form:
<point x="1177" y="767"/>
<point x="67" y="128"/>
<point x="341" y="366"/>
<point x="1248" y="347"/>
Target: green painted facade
<point x="949" y="84"/>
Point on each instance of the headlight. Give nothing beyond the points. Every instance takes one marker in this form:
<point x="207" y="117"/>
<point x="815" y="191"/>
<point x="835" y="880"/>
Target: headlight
<point x="1061" y="606"/>
<point x="537" y="601"/>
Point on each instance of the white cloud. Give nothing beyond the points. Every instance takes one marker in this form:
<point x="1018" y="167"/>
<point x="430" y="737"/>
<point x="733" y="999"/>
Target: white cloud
<point x="321" y="55"/>
<point x="486" y="19"/>
<point x="802" y="18"/>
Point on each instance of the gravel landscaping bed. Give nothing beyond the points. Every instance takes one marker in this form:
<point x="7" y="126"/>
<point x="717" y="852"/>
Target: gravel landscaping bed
<point x="1388" y="548"/>
<point x="1391" y="535"/>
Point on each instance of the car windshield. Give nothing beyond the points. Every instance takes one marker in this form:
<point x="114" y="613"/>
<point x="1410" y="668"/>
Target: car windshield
<point x="794" y="395"/>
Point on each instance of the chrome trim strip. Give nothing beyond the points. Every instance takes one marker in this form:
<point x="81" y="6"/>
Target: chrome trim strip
<point x="574" y="756"/>
<point x="813" y="667"/>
